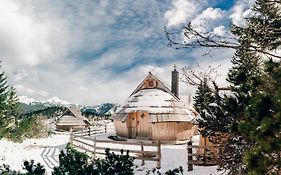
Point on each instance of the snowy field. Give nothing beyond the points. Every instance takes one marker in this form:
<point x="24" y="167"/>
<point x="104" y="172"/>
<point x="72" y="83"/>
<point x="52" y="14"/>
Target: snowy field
<point x="46" y="151"/>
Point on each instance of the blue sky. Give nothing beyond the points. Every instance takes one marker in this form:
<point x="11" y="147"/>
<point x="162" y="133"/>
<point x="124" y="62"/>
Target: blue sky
<point x="96" y="51"/>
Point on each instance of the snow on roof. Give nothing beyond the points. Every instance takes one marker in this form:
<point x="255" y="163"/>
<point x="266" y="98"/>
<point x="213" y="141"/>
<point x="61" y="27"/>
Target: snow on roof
<point x="160" y="85"/>
<point x="162" y="106"/>
<point x="73" y="114"/>
<point x="70" y="120"/>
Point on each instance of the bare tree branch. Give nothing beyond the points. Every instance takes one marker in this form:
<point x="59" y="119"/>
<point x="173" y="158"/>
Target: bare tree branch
<point x="198" y="39"/>
<point x="196" y="77"/>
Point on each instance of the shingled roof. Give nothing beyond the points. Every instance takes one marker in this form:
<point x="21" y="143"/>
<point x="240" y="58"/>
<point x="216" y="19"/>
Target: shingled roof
<point x="73" y="116"/>
<point x="159" y="101"/>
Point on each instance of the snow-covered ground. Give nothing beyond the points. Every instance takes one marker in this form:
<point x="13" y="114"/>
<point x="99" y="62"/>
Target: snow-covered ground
<point x="46" y="151"/>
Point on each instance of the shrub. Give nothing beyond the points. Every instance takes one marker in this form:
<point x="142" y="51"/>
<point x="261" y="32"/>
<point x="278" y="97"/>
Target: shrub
<point x="175" y="171"/>
<point x="74" y="163"/>
<point x="32" y="169"/>
<point x="115" y="164"/>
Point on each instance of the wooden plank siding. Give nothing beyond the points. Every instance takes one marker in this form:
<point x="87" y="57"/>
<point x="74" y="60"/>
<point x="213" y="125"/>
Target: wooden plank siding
<point x="121" y="128"/>
<point x="137" y="126"/>
<point x="143" y="124"/>
<point x="167" y="131"/>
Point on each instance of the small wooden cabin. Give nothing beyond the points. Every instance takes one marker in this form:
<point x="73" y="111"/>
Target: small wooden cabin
<point x="154" y="112"/>
<point x="72" y="118"/>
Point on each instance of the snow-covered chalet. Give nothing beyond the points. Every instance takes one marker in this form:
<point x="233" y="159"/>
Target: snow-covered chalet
<point x="155" y="112"/>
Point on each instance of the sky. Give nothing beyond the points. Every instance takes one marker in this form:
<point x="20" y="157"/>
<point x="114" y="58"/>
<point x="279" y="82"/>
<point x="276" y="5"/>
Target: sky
<point x="95" y="51"/>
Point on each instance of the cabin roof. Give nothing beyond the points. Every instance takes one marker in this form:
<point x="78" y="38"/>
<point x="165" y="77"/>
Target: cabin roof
<point x="70" y="120"/>
<point x="158" y="100"/>
<point x="161" y="105"/>
<point x="160" y="85"/>
<point x="73" y="116"/>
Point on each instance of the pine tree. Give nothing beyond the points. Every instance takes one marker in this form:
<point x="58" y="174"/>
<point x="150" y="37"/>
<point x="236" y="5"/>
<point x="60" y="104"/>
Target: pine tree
<point x="208" y="103"/>
<point x="244" y="78"/>
<point x="262" y="123"/>
<point x="256" y="83"/>
<point x="253" y="110"/>
<point x="9" y="105"/>
<point x="13" y="105"/>
<point x="203" y="96"/>
<point x="3" y="103"/>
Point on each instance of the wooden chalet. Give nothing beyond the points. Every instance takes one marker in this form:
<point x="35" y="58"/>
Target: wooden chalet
<point x="155" y="112"/>
<point x="72" y="118"/>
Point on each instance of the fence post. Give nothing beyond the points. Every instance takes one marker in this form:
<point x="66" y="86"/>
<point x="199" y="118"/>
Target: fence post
<point x="89" y="129"/>
<point x="158" y="155"/>
<point x="95" y="147"/>
<point x="205" y="151"/>
<point x="142" y="155"/>
<point x="189" y="156"/>
<point x="71" y="136"/>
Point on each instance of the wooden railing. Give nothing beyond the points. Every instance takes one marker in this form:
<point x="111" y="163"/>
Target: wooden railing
<point x="137" y="150"/>
<point x="93" y="130"/>
<point x="204" y="155"/>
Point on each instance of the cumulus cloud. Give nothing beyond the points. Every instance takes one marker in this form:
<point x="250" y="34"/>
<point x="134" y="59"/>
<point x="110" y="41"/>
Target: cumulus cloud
<point x="241" y="10"/>
<point x="219" y="31"/>
<point x="182" y="11"/>
<point x="204" y="20"/>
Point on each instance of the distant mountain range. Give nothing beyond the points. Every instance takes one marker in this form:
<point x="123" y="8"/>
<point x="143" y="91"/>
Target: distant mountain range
<point x="30" y="105"/>
<point x="100" y="110"/>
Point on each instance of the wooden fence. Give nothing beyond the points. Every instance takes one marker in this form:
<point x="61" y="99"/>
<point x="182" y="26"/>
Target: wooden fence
<point x="93" y="130"/>
<point x="204" y="155"/>
<point x="137" y="150"/>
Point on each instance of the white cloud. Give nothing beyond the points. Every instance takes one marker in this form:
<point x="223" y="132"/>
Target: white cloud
<point x="203" y="20"/>
<point x="27" y="40"/>
<point x="116" y="57"/>
<point x="220" y="30"/>
<point x="182" y="11"/>
<point x="22" y="90"/>
<point x="241" y="10"/>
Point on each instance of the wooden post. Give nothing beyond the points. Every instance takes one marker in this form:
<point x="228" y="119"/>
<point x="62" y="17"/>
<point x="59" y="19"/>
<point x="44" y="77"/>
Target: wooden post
<point x="142" y="155"/>
<point x="159" y="155"/>
<point x="95" y="148"/>
<point x="89" y="131"/>
<point x="71" y="136"/>
<point x="189" y="156"/>
<point x="205" y="151"/>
